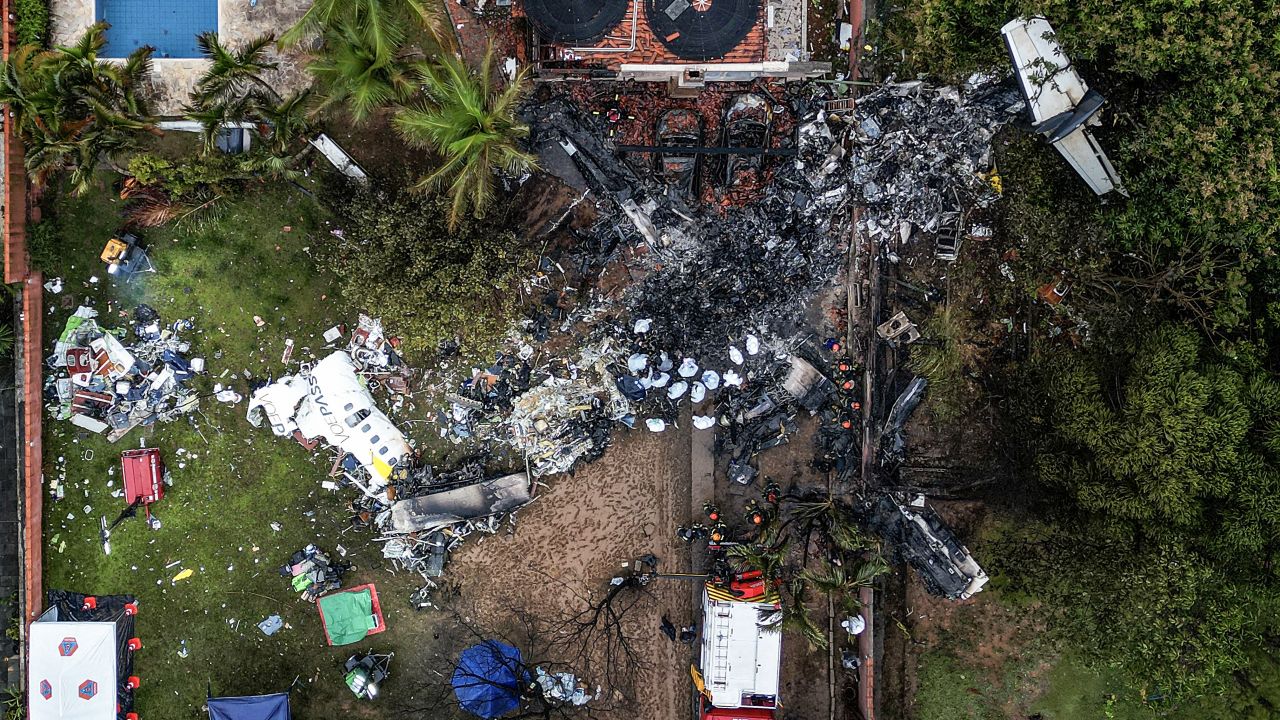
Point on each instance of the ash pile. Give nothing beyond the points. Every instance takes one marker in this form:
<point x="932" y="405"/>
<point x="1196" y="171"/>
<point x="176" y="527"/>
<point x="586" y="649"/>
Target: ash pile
<point x="712" y="272"/>
<point x="111" y="381"/>
<point x="921" y="159"/>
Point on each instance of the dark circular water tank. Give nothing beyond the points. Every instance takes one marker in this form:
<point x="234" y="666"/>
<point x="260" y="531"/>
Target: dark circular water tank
<point x="701" y="29"/>
<point x="575" y="22"/>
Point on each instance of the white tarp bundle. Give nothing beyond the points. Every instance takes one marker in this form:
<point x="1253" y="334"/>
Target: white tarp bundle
<point x="73" y="671"/>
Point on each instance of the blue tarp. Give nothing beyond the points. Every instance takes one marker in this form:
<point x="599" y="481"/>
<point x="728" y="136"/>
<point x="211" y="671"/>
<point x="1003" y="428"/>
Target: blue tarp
<point x="488" y="678"/>
<point x="255" y="707"/>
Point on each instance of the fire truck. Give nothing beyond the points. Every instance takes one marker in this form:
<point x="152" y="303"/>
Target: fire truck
<point x="741" y="654"/>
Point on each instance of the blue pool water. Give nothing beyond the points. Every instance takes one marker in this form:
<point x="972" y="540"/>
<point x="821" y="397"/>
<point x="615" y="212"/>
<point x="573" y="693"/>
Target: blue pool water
<point x="170" y="26"/>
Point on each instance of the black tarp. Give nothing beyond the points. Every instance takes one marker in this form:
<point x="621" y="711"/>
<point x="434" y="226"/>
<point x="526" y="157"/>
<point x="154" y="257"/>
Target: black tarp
<point x="701" y="34"/>
<point x="575" y="22"/>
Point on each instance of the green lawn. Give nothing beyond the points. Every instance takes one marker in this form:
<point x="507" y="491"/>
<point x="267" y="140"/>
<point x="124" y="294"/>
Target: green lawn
<point x="1035" y="677"/>
<point x="236" y="481"/>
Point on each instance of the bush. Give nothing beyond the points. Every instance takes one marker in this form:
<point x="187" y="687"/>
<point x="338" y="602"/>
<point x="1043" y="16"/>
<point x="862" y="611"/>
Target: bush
<point x="31" y="22"/>
<point x="398" y="259"/>
<point x="42" y="244"/>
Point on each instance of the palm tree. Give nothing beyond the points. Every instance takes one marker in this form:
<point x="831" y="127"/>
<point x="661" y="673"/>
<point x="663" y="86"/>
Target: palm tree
<point x="288" y="122"/>
<point x="378" y="22"/>
<point x="843" y="580"/>
<point x="354" y="70"/>
<point x="73" y="110"/>
<point x="797" y="618"/>
<point x="233" y="74"/>
<point x="472" y="125"/>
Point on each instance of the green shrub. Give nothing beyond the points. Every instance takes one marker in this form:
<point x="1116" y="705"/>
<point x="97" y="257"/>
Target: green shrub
<point x="32" y="22"/>
<point x="42" y="244"/>
<point x="396" y="257"/>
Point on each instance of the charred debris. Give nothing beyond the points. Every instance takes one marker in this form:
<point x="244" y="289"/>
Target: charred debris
<point x="715" y="301"/>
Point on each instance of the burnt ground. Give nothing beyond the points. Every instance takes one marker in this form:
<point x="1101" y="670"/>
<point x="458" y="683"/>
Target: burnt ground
<point x="959" y="455"/>
<point x="641" y="105"/>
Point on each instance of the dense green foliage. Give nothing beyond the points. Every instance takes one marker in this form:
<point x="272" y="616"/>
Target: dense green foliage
<point x="1175" y="624"/>
<point x="472" y="126"/>
<point x="1167" y="551"/>
<point x="396" y="258"/>
<point x="1167" y="439"/>
<point x="1155" y="443"/>
<point x="1194" y="89"/>
<point x="72" y="109"/>
<point x="31" y="22"/>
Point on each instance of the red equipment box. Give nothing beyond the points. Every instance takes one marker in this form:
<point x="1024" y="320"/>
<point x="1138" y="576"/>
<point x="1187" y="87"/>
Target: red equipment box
<point x="143" y="475"/>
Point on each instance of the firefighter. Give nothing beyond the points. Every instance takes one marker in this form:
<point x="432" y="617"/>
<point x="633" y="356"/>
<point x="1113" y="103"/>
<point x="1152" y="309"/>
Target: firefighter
<point x="713" y="512"/>
<point x="755" y="515"/>
<point x="719" y="533"/>
<point x="772" y="493"/>
<point x="697" y="531"/>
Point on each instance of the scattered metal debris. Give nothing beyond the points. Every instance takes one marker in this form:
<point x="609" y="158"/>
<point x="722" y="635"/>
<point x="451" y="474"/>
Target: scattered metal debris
<point x="104" y="385"/>
<point x="918" y="536"/>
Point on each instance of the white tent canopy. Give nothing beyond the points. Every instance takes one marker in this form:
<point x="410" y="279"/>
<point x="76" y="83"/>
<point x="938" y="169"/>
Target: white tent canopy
<point x="73" y="672"/>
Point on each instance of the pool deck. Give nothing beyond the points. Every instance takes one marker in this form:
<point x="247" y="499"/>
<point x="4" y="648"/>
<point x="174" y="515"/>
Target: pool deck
<point x="172" y="79"/>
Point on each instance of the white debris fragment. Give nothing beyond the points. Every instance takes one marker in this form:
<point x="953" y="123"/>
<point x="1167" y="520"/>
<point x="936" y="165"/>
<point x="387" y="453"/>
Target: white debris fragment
<point x="642" y="326"/>
<point x="735" y="355"/>
<point x="753" y="345"/>
<point x="732" y="378"/>
<point x="656" y="424"/>
<point x="704" y="422"/>
<point x="677" y="390"/>
<point x="711" y="379"/>
<point x="697" y="392"/>
<point x="688" y="368"/>
<point x="637" y="363"/>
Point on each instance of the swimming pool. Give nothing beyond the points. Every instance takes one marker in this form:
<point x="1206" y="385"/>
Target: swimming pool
<point x="170" y="26"/>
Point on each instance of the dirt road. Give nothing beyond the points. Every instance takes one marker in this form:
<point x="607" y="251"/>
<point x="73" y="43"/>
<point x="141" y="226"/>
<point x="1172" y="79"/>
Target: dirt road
<point x="571" y="540"/>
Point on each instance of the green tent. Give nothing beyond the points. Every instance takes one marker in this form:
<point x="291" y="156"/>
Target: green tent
<point x="351" y="615"/>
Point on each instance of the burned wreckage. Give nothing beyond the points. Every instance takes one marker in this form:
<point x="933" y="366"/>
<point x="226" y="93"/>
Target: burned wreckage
<point x="418" y="512"/>
<point x="714" y="316"/>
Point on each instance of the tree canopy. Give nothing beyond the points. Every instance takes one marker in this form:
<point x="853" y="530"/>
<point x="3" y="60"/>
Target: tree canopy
<point x="73" y="109"/>
<point x="472" y="124"/>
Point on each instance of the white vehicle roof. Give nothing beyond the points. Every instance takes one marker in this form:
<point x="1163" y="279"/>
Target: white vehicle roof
<point x="740" y="657"/>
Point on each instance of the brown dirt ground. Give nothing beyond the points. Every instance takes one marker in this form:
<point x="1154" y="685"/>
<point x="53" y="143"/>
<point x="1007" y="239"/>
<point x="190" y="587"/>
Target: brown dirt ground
<point x="569" y="542"/>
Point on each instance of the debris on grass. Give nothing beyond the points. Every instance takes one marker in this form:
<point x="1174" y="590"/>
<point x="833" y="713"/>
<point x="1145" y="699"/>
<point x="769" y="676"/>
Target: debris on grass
<point x="112" y="381"/>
